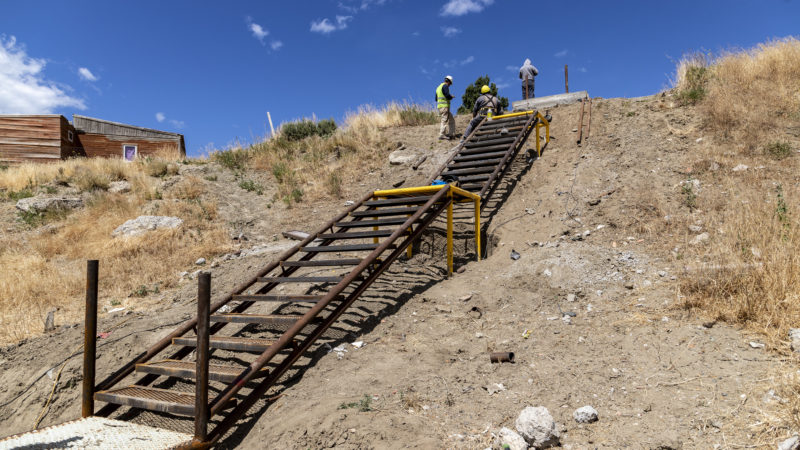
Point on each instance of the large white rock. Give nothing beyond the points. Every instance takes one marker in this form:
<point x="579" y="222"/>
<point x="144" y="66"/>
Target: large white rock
<point x="586" y="414"/>
<point x="119" y="187"/>
<point x="793" y="443"/>
<point x="509" y="437"/>
<point x="537" y="426"/>
<point x="403" y="156"/>
<point x="794" y="338"/>
<point x="143" y="224"/>
<point x="699" y="239"/>
<point x="42" y="204"/>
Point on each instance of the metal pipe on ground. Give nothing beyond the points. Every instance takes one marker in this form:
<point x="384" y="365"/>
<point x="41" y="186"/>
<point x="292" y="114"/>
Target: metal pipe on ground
<point x="501" y="357"/>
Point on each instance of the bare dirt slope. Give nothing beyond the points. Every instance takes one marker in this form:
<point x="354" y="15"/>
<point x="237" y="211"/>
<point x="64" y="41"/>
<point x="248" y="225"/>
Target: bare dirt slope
<point x="595" y="227"/>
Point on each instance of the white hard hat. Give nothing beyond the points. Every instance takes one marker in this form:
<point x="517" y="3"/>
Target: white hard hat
<point x="449" y="78"/>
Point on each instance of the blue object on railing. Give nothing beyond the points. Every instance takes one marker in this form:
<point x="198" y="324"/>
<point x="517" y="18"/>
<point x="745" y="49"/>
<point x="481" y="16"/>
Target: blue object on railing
<point x="437" y="183"/>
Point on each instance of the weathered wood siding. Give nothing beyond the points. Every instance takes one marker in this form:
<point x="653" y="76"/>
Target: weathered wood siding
<point x="106" y="146"/>
<point x="32" y="138"/>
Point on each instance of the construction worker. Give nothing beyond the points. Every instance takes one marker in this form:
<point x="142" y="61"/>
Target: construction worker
<point x="443" y="97"/>
<point x="526" y="74"/>
<point x="486" y="105"/>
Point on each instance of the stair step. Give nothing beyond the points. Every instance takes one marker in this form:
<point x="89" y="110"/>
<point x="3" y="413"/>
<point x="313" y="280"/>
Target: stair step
<point x="478" y="163"/>
<point x="489" y="148"/>
<point x="372" y="223"/>
<point x="385" y="212"/>
<point x="357" y="234"/>
<point x="484" y="142"/>
<point x="511" y="130"/>
<point x="300" y="279"/>
<point x="471" y="178"/>
<point x="398" y="201"/>
<point x="152" y="399"/>
<point x="472" y="171"/>
<point x="268" y="319"/>
<point x="322" y="262"/>
<point x="479" y="156"/>
<point x="339" y="248"/>
<point x="227" y="343"/>
<point x="279" y="298"/>
<point x="186" y="369"/>
<point x="472" y="186"/>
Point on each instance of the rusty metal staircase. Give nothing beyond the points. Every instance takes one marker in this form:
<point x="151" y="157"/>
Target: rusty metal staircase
<point x="324" y="274"/>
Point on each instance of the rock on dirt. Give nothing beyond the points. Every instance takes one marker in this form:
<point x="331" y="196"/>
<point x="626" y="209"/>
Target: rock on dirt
<point x="44" y="204"/>
<point x="119" y="187"/>
<point x="586" y="414"/>
<point x="403" y="156"/>
<point x="143" y="224"/>
<point x="510" y="438"/>
<point x="699" y="239"/>
<point x="793" y="443"/>
<point x="537" y="427"/>
<point x="794" y="337"/>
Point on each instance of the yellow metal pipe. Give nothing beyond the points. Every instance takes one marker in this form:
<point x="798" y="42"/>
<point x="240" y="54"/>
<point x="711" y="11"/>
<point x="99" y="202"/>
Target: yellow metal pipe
<point x="410" y="191"/>
<point x="516" y="114"/>
<point x="478" y="227"/>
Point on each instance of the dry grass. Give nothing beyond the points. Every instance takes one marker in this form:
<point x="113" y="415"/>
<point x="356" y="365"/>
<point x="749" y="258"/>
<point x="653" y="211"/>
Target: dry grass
<point x="47" y="270"/>
<point x="748" y="98"/>
<point x="319" y="167"/>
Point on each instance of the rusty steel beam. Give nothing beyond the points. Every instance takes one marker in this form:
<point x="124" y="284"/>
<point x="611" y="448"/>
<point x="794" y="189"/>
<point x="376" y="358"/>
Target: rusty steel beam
<point x="90" y="339"/>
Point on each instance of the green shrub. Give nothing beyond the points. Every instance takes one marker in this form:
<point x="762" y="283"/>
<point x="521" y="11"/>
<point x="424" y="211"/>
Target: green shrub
<point x="251" y="186"/>
<point x="20" y="194"/>
<point x="363" y="405"/>
<point x="694" y="84"/>
<point x="778" y="150"/>
<point x="3" y="167"/>
<point x="233" y="159"/>
<point x="302" y="129"/>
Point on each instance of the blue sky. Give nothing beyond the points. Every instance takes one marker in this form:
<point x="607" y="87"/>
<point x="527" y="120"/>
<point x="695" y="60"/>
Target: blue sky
<point x="212" y="70"/>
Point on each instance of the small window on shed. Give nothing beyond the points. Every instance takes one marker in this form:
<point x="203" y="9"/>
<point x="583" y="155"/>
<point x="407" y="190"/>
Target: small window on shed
<point x="70" y="137"/>
<point x="129" y="152"/>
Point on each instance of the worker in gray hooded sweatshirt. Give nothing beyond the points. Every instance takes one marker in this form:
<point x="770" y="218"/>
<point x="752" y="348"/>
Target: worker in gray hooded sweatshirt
<point x="526" y="74"/>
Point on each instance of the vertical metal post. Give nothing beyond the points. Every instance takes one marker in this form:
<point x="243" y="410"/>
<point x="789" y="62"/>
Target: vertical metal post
<point x="450" y="235"/>
<point x="90" y="339"/>
<point x="566" y="79"/>
<point x="478" y="228"/>
<point x="410" y="249"/>
<point x="201" y="414"/>
<point x="375" y="239"/>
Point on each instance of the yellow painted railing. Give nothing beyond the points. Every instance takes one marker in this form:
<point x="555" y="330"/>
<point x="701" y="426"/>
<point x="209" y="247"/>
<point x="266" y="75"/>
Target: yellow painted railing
<point x="457" y="195"/>
<point x="542" y="122"/>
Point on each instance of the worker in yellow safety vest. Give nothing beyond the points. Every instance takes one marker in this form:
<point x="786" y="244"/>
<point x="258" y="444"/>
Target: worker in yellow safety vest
<point x="447" y="130"/>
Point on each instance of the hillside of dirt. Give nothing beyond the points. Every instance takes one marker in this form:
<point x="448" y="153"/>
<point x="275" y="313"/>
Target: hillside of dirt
<point x="592" y="310"/>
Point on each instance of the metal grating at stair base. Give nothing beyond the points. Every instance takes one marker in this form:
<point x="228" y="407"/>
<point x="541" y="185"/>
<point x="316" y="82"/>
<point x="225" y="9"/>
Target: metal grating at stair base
<point x="96" y="433"/>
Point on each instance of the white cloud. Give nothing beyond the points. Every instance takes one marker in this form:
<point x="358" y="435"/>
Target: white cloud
<point x="258" y="31"/>
<point x="177" y="123"/>
<point x="502" y="85"/>
<point x="561" y="54"/>
<point x="160" y="116"/>
<point x="354" y="6"/>
<point x="23" y="88"/>
<point x="87" y="74"/>
<point x="325" y="26"/>
<point x="468" y="60"/>
<point x="582" y="70"/>
<point x="276" y="45"/>
<point x="415" y="34"/>
<point x="461" y="7"/>
<point x="512" y="68"/>
<point x="450" y="31"/>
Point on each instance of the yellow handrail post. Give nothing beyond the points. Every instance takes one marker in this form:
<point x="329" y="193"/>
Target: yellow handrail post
<point x="538" y="144"/>
<point x="478" y="227"/>
<point x="450" y="234"/>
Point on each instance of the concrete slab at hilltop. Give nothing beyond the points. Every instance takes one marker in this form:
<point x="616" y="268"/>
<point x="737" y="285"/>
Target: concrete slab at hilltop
<point x="549" y="101"/>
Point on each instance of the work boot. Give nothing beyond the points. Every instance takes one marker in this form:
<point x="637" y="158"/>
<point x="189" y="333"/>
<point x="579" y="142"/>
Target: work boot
<point x="442" y="137"/>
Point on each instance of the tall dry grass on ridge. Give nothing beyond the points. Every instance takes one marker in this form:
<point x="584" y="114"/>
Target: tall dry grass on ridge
<point x="44" y="268"/>
<point x="749" y="97"/>
<point x="750" y="103"/>
<point x="317" y="166"/>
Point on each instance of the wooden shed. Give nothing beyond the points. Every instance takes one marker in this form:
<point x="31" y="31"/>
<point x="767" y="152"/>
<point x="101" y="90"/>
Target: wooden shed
<point x="37" y="138"/>
<point x="103" y="138"/>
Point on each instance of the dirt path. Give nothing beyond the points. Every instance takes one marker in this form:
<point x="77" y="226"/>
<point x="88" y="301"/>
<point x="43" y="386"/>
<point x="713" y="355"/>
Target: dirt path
<point x="656" y="377"/>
